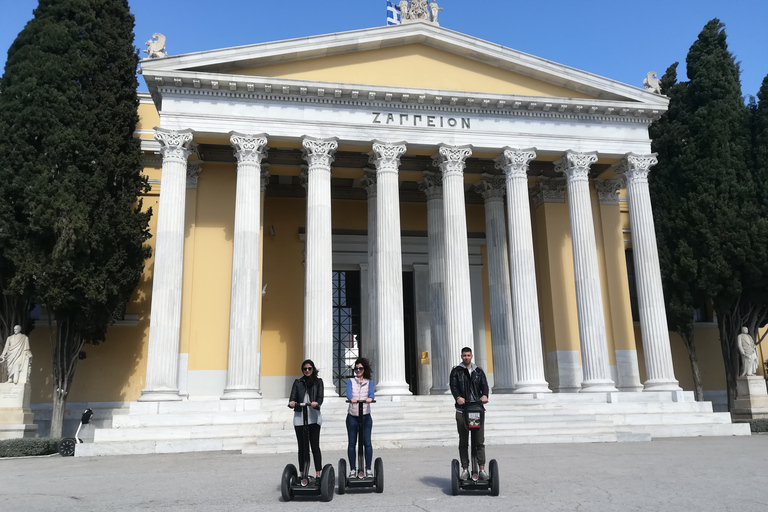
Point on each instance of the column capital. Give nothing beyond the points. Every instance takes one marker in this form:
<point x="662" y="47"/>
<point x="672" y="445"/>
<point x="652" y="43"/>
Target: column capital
<point x="193" y="172"/>
<point x="386" y="156"/>
<point x="576" y="165"/>
<point x="608" y="190"/>
<point x="249" y="149"/>
<point x="319" y="152"/>
<point x="635" y="167"/>
<point x="450" y="159"/>
<point x="368" y="182"/>
<point x="548" y="190"/>
<point x="491" y="187"/>
<point x="432" y="185"/>
<point x="514" y="162"/>
<point x="174" y="144"/>
<point x="264" y="176"/>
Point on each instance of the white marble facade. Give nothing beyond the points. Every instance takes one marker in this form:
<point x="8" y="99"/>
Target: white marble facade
<point x="454" y="126"/>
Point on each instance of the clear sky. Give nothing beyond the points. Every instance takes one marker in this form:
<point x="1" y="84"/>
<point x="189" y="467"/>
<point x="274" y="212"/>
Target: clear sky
<point x="618" y="39"/>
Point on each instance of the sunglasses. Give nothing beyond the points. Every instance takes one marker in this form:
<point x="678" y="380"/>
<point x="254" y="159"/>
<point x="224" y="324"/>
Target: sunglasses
<point x="307" y="368"/>
<point x="359" y="368"/>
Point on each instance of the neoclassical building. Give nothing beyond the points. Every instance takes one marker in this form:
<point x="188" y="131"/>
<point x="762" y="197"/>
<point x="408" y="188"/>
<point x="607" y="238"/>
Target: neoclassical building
<point x="397" y="192"/>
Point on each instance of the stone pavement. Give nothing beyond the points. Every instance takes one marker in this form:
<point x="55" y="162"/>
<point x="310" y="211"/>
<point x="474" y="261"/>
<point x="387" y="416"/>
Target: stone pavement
<point x="701" y="474"/>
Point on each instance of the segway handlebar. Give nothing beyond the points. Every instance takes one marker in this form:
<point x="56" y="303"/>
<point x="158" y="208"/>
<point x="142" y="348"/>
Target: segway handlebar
<point x="362" y="402"/>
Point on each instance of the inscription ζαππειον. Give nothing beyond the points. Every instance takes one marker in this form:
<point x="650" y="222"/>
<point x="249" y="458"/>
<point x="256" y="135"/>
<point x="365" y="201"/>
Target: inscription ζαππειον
<point x="421" y="121"/>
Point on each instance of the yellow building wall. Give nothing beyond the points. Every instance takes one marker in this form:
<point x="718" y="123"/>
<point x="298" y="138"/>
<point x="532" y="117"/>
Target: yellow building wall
<point x="412" y="65"/>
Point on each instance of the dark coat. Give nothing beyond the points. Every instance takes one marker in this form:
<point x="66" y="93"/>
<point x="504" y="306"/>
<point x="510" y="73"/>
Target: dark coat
<point x="469" y="386"/>
<point x="299" y="389"/>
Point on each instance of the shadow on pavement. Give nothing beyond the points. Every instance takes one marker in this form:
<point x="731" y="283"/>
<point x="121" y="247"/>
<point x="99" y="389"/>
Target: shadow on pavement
<point x="441" y="483"/>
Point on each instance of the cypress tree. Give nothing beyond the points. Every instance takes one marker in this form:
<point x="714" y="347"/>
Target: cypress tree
<point x="75" y="228"/>
<point x="718" y="226"/>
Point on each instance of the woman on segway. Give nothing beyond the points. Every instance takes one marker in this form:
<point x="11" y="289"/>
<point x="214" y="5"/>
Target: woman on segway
<point x="360" y="389"/>
<point x="308" y="389"/>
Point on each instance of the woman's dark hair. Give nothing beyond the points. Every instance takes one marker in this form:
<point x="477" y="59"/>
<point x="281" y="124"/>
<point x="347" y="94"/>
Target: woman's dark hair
<point x="312" y="377"/>
<point x="366" y="367"/>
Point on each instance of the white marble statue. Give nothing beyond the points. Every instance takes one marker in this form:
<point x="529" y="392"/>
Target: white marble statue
<point x="404" y="13"/>
<point x="17" y="356"/>
<point x="433" y="9"/>
<point x="748" y="351"/>
<point x="652" y="83"/>
<point x="156" y="46"/>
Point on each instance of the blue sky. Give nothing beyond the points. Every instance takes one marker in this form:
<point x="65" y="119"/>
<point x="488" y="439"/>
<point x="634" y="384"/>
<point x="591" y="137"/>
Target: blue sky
<point x="618" y="39"/>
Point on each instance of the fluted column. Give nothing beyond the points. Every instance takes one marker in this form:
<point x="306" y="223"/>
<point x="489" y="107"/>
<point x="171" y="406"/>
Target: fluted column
<point x="492" y="188"/>
<point x="318" y="284"/>
<point x="522" y="268"/>
<point x="432" y="186"/>
<point x="650" y="295"/>
<point x="458" y="305"/>
<point x="370" y="341"/>
<point x="165" y="313"/>
<point x="589" y="300"/>
<point x="242" y="374"/>
<point x="389" y="272"/>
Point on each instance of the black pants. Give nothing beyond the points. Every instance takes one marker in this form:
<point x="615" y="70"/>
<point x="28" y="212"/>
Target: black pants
<point x="464" y="442"/>
<point x="314" y="442"/>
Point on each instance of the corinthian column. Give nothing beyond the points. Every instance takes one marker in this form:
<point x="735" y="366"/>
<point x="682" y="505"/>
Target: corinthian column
<point x="389" y="272"/>
<point x="370" y="340"/>
<point x="522" y="267"/>
<point x="650" y="296"/>
<point x="165" y="314"/>
<point x="432" y="186"/>
<point x="589" y="300"/>
<point x="242" y="372"/>
<point x="318" y="284"/>
<point x="458" y="302"/>
<point x="499" y="287"/>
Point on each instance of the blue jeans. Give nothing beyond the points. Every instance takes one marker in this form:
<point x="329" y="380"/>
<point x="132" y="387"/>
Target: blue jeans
<point x="352" y="435"/>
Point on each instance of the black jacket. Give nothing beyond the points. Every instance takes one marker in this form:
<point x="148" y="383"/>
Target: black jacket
<point x="470" y="386"/>
<point x="299" y="389"/>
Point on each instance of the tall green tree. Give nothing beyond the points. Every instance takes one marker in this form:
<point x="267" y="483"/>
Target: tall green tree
<point x="720" y="229"/>
<point x="68" y="159"/>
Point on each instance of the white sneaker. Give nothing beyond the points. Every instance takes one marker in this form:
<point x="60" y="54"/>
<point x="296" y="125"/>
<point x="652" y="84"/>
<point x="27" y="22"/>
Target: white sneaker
<point x="464" y="474"/>
<point x="352" y="473"/>
<point x="369" y="473"/>
<point x="482" y="475"/>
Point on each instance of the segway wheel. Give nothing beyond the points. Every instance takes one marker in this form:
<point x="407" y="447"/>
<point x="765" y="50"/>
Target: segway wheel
<point x="342" y="476"/>
<point x="327" y="483"/>
<point x="494" y="475"/>
<point x="378" y="474"/>
<point x="67" y="447"/>
<point x="287" y="481"/>
<point x="455" y="477"/>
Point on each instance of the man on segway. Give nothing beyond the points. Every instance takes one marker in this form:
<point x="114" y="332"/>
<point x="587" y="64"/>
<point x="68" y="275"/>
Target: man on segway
<point x="468" y="384"/>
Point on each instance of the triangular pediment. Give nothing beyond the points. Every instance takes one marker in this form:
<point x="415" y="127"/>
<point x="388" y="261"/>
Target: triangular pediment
<point x="421" y="58"/>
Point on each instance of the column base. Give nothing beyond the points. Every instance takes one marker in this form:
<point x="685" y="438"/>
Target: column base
<point x="393" y="389"/>
<point x="159" y="395"/>
<point x="499" y="390"/>
<point x="439" y="391"/>
<point x="598" y="386"/>
<point x="532" y="387"/>
<point x="661" y="385"/>
<point x="241" y="394"/>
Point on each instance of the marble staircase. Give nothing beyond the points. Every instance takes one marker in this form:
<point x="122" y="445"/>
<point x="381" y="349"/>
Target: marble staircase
<point x="266" y="426"/>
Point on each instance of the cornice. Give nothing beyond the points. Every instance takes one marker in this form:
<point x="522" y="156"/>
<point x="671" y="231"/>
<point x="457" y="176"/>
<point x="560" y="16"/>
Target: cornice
<point x="259" y="89"/>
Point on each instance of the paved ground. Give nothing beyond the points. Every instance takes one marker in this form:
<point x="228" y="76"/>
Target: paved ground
<point x="701" y="474"/>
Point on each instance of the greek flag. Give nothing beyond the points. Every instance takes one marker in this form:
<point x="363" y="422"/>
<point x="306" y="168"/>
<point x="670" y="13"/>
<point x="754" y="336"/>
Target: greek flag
<point x="393" y="14"/>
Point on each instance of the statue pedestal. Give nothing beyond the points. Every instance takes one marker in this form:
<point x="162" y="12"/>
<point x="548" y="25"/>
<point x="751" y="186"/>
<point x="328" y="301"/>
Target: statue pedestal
<point x="751" y="398"/>
<point x="16" y="418"/>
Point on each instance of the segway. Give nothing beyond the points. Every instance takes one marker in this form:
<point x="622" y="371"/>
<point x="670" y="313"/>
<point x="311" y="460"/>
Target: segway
<point x="362" y="481"/>
<point x="292" y="485"/>
<point x="67" y="445"/>
<point x="474" y="416"/>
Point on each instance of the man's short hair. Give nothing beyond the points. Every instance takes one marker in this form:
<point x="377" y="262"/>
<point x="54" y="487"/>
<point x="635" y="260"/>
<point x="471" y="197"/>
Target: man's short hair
<point x="466" y="349"/>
